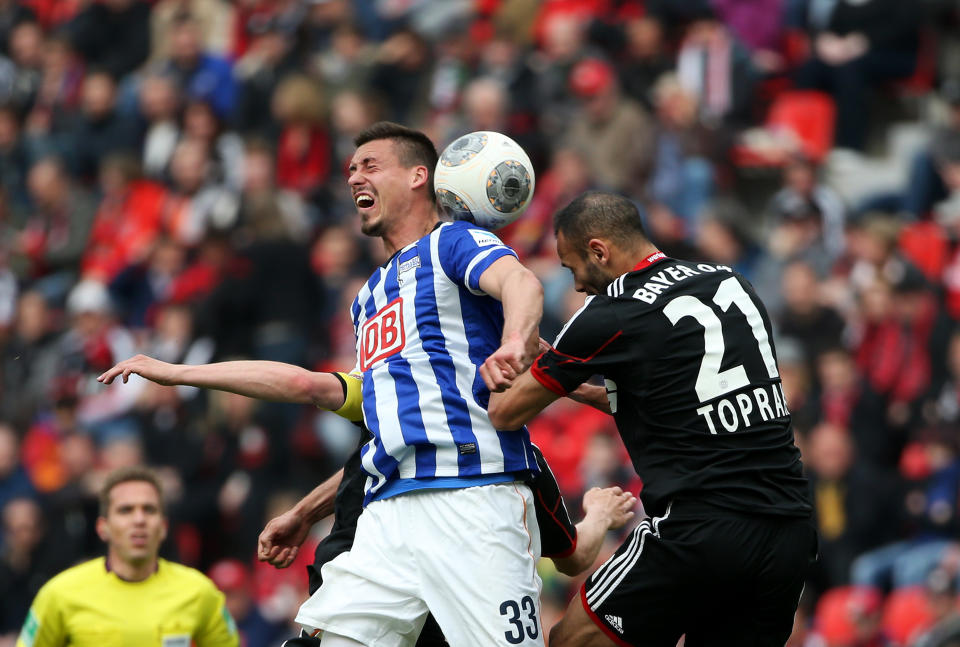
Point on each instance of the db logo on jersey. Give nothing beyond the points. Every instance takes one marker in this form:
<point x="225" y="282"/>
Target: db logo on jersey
<point x="382" y="336"/>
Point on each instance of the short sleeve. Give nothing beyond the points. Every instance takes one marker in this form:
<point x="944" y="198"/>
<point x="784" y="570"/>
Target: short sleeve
<point x="467" y="251"/>
<point x="590" y="343"/>
<point x="44" y="625"/>
<point x="558" y="534"/>
<point x="217" y="627"/>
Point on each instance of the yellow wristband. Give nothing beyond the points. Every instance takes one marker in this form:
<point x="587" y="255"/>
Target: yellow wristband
<point x="352" y="408"/>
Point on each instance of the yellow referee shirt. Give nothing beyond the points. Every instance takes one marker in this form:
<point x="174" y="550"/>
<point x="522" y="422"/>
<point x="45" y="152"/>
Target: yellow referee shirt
<point x="89" y="606"/>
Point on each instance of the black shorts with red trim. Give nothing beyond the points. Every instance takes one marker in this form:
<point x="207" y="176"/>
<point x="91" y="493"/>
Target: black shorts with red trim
<point x="717" y="576"/>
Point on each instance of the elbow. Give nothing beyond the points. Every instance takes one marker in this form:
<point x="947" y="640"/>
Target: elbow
<point x="571" y="566"/>
<point x="500" y="415"/>
<point x="302" y="388"/>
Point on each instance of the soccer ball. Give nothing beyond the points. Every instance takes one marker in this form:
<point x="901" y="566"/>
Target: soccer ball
<point x="485" y="178"/>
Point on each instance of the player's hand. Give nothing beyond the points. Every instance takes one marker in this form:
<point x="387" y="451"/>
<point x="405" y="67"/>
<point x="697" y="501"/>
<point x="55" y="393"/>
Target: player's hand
<point x="542" y="345"/>
<point x="281" y="539"/>
<point x="148" y="367"/>
<point x="611" y="503"/>
<point x="505" y="364"/>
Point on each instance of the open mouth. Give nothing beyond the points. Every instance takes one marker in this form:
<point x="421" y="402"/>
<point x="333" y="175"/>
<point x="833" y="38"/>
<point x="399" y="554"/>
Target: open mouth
<point x="363" y="200"/>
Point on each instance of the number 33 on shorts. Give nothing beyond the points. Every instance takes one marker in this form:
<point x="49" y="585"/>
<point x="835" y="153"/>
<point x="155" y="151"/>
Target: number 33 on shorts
<point x="522" y="618"/>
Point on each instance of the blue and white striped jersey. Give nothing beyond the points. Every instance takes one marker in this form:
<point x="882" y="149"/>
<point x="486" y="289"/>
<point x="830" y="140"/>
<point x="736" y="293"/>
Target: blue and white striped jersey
<point x="423" y="328"/>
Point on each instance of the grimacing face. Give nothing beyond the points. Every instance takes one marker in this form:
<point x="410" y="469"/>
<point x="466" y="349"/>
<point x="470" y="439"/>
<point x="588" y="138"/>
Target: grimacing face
<point x="134" y="526"/>
<point x="588" y="276"/>
<point x="379" y="184"/>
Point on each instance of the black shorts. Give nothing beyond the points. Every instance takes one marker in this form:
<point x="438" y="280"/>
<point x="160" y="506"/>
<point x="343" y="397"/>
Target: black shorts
<point x="720" y="577"/>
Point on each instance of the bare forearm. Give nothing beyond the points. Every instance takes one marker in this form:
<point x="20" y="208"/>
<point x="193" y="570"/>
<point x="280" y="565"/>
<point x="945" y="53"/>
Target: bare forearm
<point x="522" y="298"/>
<point x="266" y="381"/>
<point x="319" y="503"/>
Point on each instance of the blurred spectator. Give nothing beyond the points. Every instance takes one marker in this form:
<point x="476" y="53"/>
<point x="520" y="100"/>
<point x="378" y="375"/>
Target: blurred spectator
<point x="20" y="76"/>
<point x="856" y="45"/>
<point x="303" y="149"/>
<point x="759" y="25"/>
<point x="100" y="129"/>
<point x="128" y="220"/>
<point x="61" y="86"/>
<point x="199" y="74"/>
<point x="225" y="148"/>
<point x="347" y="62"/>
<point x="850" y="502"/>
<point x="160" y="108"/>
<point x="612" y="133"/>
<point x="214" y="19"/>
<point x="113" y="35"/>
<point x="645" y="58"/>
<point x="12" y="13"/>
<point x="234" y="578"/>
<point x="804" y="317"/>
<point x="52" y="239"/>
<point x="805" y="195"/>
<point x="198" y="202"/>
<point x="14" y="159"/>
<point x="270" y="58"/>
<point x="29" y="557"/>
<point x="92" y="342"/>
<point x="139" y="288"/>
<point x="29" y="360"/>
<point x="401" y="74"/>
<point x="716" y="68"/>
<point x="683" y="175"/>
<point x="268" y="212"/>
<point x="14" y="482"/>
<point x="722" y="238"/>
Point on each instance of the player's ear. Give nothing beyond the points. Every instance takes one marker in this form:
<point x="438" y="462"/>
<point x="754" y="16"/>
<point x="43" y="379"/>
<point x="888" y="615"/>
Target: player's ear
<point x="598" y="250"/>
<point x="102" y="531"/>
<point x="419" y="176"/>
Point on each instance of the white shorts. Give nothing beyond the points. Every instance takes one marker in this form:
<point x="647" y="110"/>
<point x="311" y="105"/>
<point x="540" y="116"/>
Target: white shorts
<point x="468" y="556"/>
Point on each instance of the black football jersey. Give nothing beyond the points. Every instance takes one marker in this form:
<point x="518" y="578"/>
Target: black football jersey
<point x="687" y="356"/>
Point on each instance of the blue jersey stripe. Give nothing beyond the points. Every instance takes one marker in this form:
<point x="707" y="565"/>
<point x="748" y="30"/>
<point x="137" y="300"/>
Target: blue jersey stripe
<point x="432" y="340"/>
<point x="385" y="464"/>
<point x="408" y="395"/>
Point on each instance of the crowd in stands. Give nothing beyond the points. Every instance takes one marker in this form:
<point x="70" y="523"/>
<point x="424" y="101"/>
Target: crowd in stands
<point x="172" y="182"/>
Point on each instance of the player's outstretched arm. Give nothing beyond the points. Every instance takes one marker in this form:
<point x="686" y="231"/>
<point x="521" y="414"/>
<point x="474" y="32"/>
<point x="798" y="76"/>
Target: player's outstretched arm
<point x="521" y="293"/>
<point x="282" y="537"/>
<point x="513" y="408"/>
<point x="606" y="509"/>
<point x="256" y="379"/>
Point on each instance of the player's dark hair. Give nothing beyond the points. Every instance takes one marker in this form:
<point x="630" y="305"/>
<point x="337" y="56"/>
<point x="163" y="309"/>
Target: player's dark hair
<point x="127" y="475"/>
<point x="595" y="214"/>
<point x="413" y="147"/>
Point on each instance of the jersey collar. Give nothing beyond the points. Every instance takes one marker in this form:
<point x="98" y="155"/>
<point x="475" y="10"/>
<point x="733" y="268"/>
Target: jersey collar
<point x="655" y="257"/>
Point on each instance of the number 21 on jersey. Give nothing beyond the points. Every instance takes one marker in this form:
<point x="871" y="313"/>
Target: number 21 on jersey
<point x="711" y="381"/>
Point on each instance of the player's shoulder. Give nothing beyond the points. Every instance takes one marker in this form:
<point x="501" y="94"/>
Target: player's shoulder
<point x="186" y="576"/>
<point x="468" y="232"/>
<point x="72" y="579"/>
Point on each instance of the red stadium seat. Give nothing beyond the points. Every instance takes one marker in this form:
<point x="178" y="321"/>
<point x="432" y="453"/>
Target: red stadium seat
<point x="807" y="115"/>
<point x="906" y="615"/>
<point x="838" y="609"/>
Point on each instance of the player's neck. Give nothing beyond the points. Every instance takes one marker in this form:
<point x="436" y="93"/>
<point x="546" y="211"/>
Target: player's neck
<point x="626" y="260"/>
<point x="131" y="571"/>
<point x="410" y="230"/>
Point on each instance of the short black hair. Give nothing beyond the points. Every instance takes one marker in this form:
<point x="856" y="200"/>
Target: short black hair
<point x="125" y="475"/>
<point x="595" y="214"/>
<point x="413" y="147"/>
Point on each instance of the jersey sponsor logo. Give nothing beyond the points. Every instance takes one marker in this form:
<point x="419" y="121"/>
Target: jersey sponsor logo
<point x="28" y="634"/>
<point x="484" y="238"/>
<point x="382" y="335"/>
<point x="615" y="621"/>
<point x="176" y="640"/>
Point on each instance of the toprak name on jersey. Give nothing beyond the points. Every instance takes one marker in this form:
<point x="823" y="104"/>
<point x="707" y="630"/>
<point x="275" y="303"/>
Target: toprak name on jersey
<point x="723" y="408"/>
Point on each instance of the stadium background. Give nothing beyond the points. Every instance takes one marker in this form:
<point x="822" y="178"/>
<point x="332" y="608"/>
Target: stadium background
<point x="171" y="182"/>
